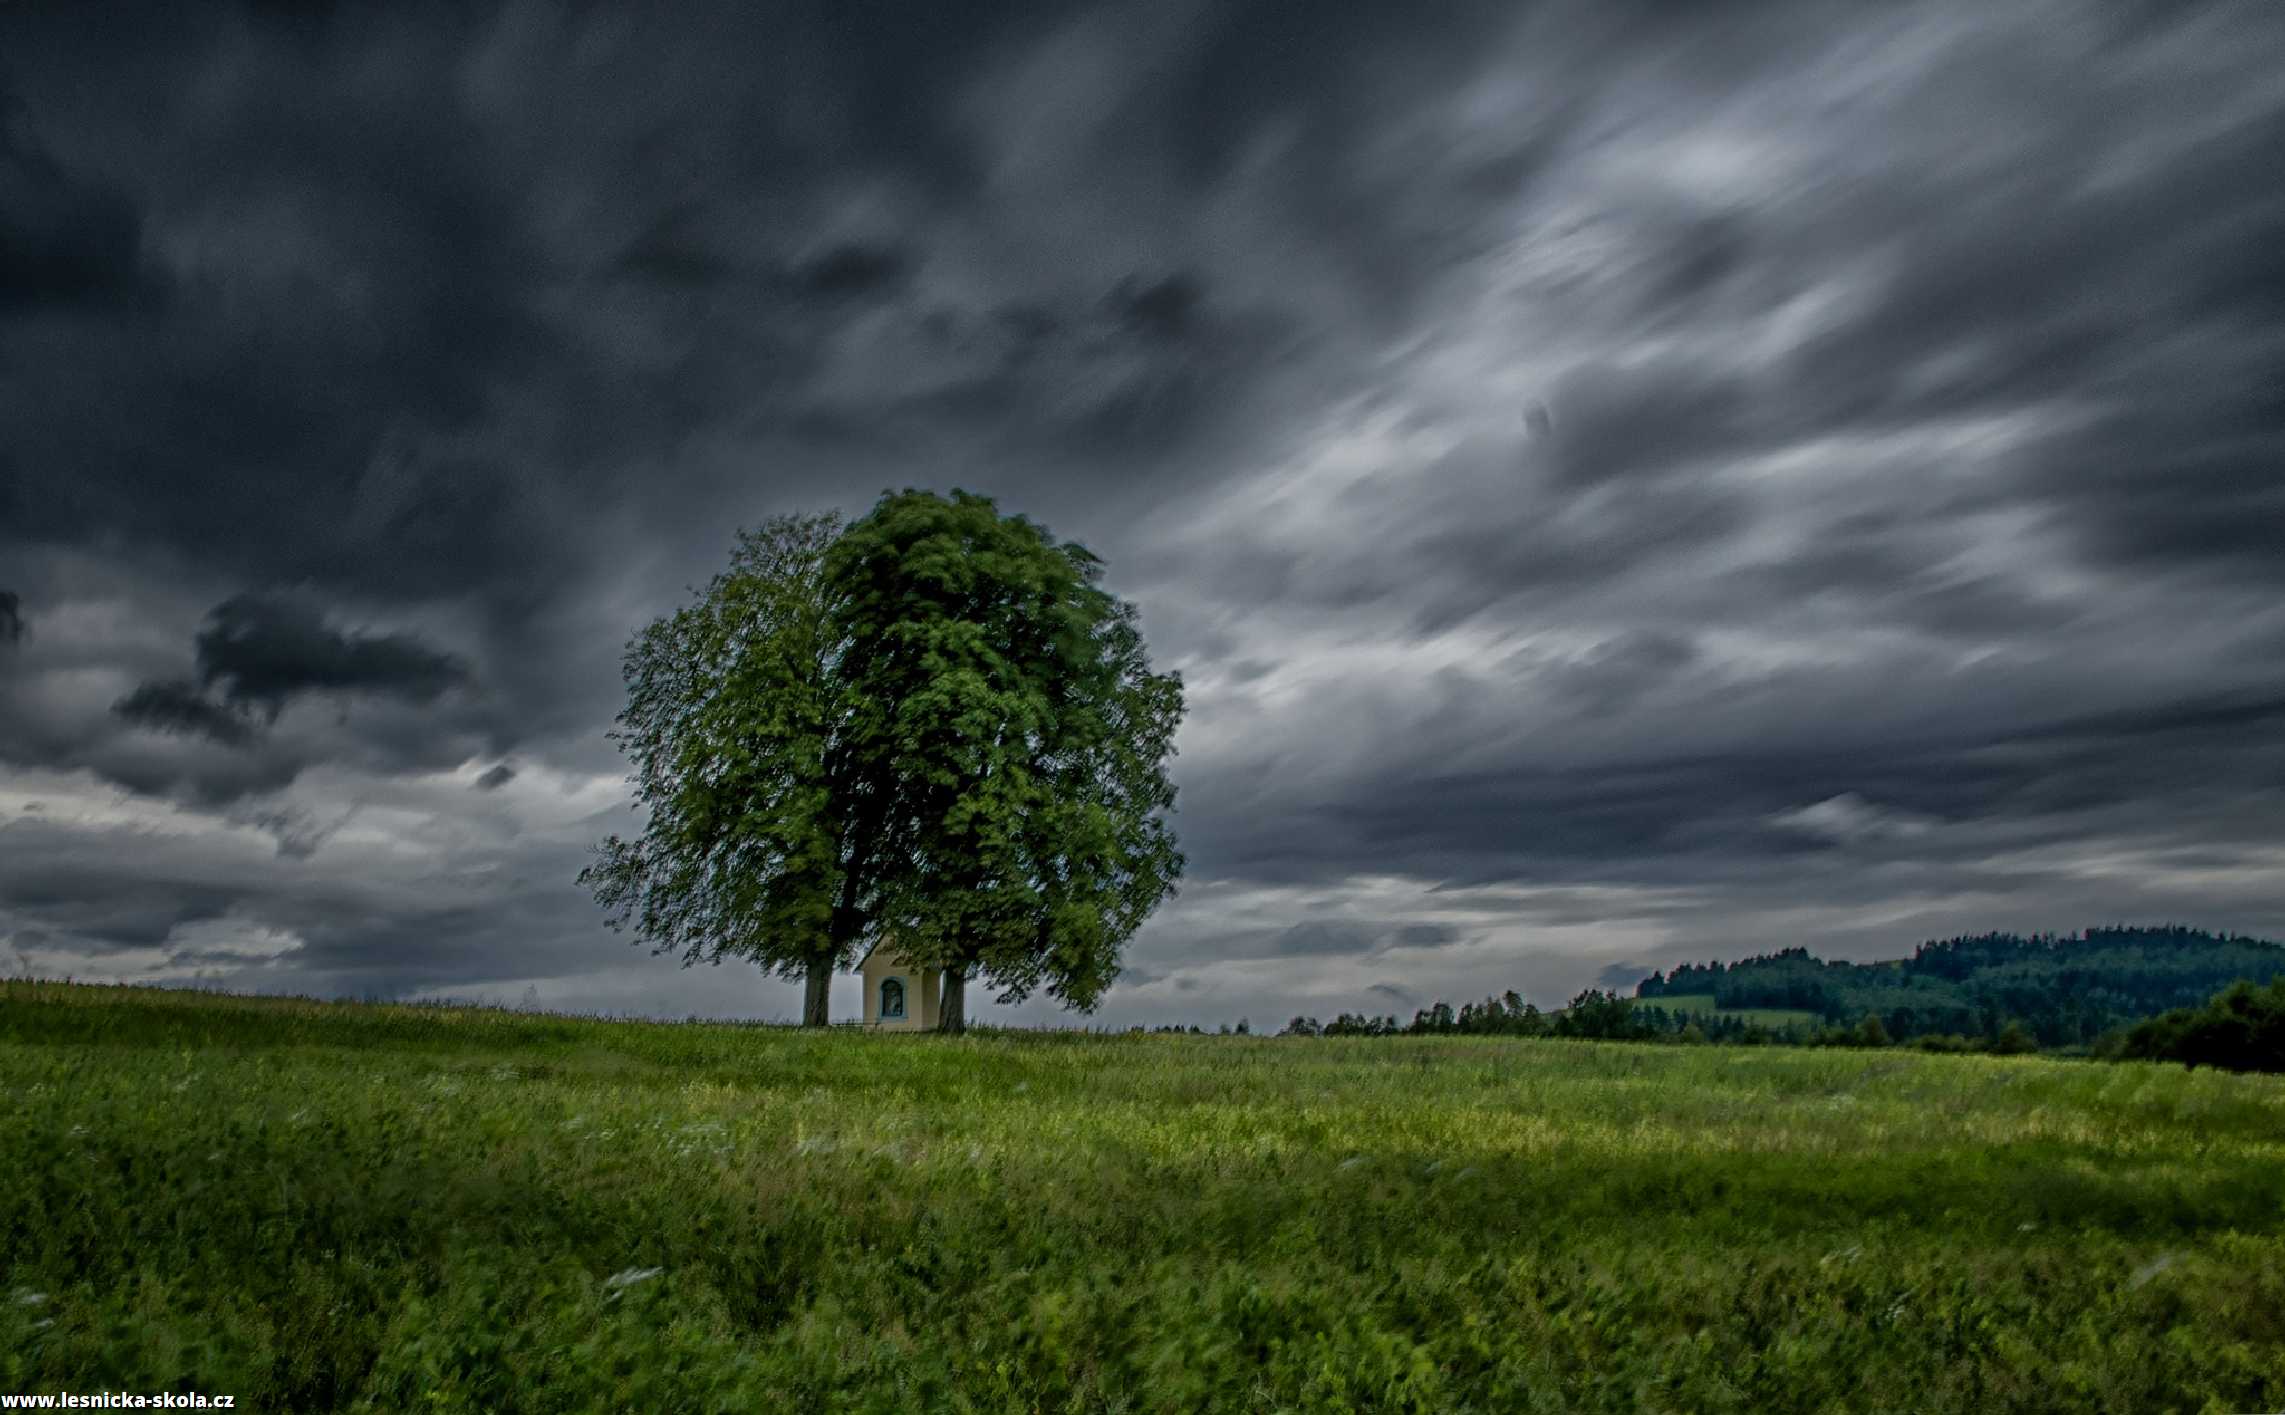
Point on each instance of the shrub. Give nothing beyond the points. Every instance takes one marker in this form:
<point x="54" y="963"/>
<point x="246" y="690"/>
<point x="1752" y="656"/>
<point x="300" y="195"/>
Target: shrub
<point x="2013" y="1041"/>
<point x="1947" y="1042"/>
<point x="2242" y="1028"/>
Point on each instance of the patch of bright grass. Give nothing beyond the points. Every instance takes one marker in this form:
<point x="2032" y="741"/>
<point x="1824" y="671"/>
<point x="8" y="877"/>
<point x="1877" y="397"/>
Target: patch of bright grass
<point x="335" y="1207"/>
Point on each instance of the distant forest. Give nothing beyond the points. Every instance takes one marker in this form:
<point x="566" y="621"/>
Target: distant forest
<point x="1991" y="992"/>
<point x="2065" y="990"/>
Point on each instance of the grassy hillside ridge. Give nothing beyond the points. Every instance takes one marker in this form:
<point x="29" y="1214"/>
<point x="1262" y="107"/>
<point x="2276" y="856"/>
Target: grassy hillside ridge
<point x="2066" y="990"/>
<point x="329" y="1206"/>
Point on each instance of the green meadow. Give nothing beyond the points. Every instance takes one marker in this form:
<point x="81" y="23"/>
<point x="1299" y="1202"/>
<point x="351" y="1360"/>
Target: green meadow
<point x="323" y="1207"/>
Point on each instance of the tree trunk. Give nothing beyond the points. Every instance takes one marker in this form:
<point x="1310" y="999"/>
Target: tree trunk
<point x="820" y="988"/>
<point x="952" y="1009"/>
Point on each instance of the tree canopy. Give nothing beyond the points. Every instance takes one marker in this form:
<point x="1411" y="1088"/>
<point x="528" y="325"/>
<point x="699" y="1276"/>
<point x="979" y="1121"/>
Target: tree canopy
<point x="732" y="724"/>
<point x="932" y="724"/>
<point x="1004" y="710"/>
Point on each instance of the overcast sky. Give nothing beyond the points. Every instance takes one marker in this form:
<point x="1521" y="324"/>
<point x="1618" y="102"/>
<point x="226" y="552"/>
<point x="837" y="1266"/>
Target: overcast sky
<point x="1622" y="483"/>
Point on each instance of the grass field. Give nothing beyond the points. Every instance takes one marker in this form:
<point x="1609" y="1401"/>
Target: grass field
<point x="1703" y="1002"/>
<point x="319" y="1207"/>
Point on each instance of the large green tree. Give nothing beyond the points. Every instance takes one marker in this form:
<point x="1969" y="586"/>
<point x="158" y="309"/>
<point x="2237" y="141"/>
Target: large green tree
<point x="756" y="843"/>
<point x="1005" y="721"/>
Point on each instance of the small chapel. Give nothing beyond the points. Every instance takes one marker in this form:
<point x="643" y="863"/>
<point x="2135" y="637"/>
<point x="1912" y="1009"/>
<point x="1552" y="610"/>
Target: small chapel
<point x="898" y="996"/>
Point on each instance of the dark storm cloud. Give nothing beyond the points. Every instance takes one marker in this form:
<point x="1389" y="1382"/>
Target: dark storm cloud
<point x="67" y="242"/>
<point x="263" y="652"/>
<point x="2189" y="489"/>
<point x="291" y="413"/>
<point x="217" y="776"/>
<point x="107" y="906"/>
<point x="299" y="833"/>
<point x="254" y="655"/>
<point x="1965" y="289"/>
<point x="11" y="618"/>
<point x="372" y="926"/>
<point x="2202" y="719"/>
<point x="111" y="685"/>
<point x="672" y="253"/>
<point x="678" y="252"/>
<point x="1647" y="421"/>
<point x="389" y="372"/>
<point x="178" y="706"/>
<point x="496" y="777"/>
<point x="1161" y="309"/>
<point x="1656" y="819"/>
<point x="1329" y="937"/>
<point x="443" y="322"/>
<point x="853" y="270"/>
<point x="1690" y="268"/>
<point x="2004" y="290"/>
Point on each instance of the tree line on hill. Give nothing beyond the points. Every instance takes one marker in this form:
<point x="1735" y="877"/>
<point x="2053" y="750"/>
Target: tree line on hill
<point x="2066" y="990"/>
<point x="2153" y="993"/>
<point x="1598" y="1015"/>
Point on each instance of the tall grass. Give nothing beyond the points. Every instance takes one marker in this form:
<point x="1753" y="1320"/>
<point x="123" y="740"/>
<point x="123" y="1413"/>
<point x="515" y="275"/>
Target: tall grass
<point x="319" y="1207"/>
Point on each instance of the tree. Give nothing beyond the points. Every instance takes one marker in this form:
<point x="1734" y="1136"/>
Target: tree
<point x="2242" y="1028"/>
<point x="1606" y="1015"/>
<point x="2013" y="1040"/>
<point x="1005" y="718"/>
<point x="758" y="841"/>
